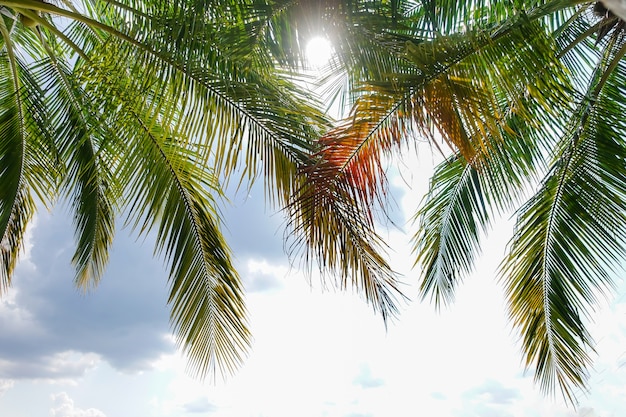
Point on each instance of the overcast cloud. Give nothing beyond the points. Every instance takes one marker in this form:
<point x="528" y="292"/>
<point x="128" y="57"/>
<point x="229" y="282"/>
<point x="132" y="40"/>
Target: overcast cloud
<point x="252" y="229"/>
<point x="52" y="332"/>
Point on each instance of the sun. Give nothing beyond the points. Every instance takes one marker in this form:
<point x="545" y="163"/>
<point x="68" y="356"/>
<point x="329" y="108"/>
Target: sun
<point x="318" y="51"/>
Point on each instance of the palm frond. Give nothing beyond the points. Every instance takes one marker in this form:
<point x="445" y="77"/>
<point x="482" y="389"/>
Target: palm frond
<point x="18" y="107"/>
<point x="331" y="229"/>
<point x="169" y="189"/>
<point x="569" y="237"/>
<point x="88" y="178"/>
<point x="208" y="312"/>
<point x="451" y="221"/>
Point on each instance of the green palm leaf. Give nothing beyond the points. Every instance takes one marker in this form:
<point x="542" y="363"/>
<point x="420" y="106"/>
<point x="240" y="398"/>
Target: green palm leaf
<point x="168" y="189"/>
<point x="88" y="180"/>
<point x="463" y="196"/>
<point x="451" y="222"/>
<point x="26" y="154"/>
<point x="569" y="237"/>
<point x="206" y="295"/>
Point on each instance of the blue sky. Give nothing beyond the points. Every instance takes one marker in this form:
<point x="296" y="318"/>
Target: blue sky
<point x="109" y="353"/>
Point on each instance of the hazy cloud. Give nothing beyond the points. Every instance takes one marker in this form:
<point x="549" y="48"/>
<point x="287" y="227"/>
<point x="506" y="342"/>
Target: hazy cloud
<point x="359" y="415"/>
<point x="5" y="385"/>
<point x="64" y="407"/>
<point x="52" y="330"/>
<point x="261" y="282"/>
<point x="494" y="392"/>
<point x="438" y="396"/>
<point x="63" y="365"/>
<point x="200" y="405"/>
<point x="487" y="410"/>
<point x="490" y="399"/>
<point x="260" y="276"/>
<point x="365" y="379"/>
<point x="587" y="412"/>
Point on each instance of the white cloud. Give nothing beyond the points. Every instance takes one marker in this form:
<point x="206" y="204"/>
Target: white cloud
<point x="261" y="276"/>
<point x="64" y="407"/>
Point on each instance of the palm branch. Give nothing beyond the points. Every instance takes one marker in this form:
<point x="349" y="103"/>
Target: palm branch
<point x="520" y="96"/>
<point x="124" y="110"/>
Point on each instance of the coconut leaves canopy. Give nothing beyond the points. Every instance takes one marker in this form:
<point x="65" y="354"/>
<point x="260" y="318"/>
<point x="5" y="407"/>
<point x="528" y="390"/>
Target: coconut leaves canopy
<point x="139" y="107"/>
<point x="528" y="97"/>
<point x="138" y="111"/>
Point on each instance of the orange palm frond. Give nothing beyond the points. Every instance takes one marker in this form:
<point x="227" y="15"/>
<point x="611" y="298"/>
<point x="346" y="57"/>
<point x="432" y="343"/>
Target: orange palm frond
<point x="331" y="211"/>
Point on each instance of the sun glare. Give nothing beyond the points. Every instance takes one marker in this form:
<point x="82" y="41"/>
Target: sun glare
<point x="318" y="52"/>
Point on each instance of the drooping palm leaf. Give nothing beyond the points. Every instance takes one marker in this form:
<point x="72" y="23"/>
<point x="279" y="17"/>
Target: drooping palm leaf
<point x="88" y="178"/>
<point x="26" y="155"/>
<point x="169" y="189"/>
<point x="570" y="235"/>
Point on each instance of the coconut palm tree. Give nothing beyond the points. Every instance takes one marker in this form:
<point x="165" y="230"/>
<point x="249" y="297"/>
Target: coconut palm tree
<point x="141" y="110"/>
<point x="529" y="98"/>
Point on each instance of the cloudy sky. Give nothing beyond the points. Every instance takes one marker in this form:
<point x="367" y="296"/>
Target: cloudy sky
<point x="315" y="354"/>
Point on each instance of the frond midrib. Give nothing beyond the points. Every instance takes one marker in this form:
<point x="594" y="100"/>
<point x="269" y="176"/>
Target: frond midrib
<point x="191" y="216"/>
<point x="547" y="254"/>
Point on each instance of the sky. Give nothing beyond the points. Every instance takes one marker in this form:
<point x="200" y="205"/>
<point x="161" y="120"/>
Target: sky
<point x="110" y="353"/>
